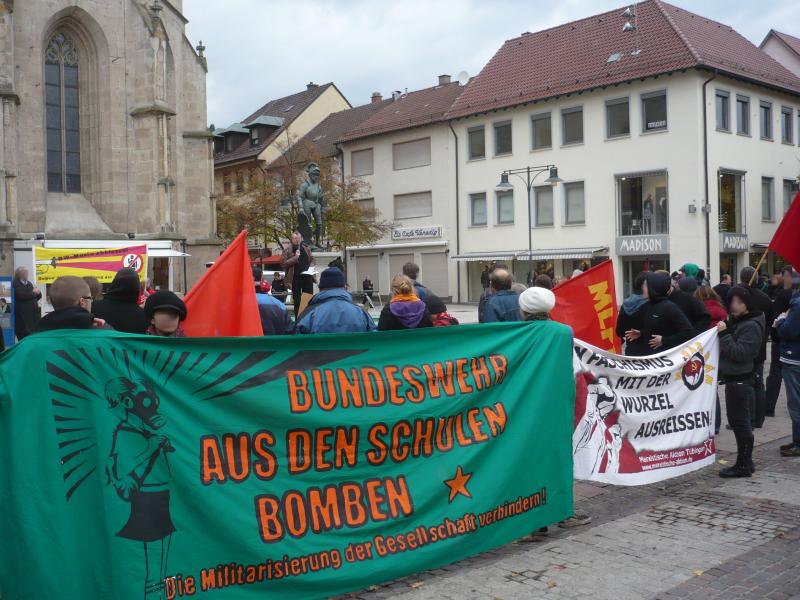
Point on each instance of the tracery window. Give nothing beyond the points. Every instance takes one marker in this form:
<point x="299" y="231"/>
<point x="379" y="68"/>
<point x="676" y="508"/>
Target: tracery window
<point x="62" y="118"/>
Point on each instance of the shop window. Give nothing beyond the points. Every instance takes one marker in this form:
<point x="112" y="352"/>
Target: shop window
<point x="617" y="118"/>
<point x="476" y="137"/>
<point x="765" y="116"/>
<point x="643" y="204"/>
<point x="787" y="133"/>
<point x="543" y="206"/>
<point x="654" y="111"/>
<point x="574" y="204"/>
<point x="541" y="132"/>
<point x="633" y="266"/>
<point x="505" y="208"/>
<point x="477" y="210"/>
<point x="723" y="110"/>
<point x="743" y="115"/>
<point x="572" y="125"/>
<point x="767" y="199"/>
<point x="730" y="202"/>
<point x="502" y="138"/>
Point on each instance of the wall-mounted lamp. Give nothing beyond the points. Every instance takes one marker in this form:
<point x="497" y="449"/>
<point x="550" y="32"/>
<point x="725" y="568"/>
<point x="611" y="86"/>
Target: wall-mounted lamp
<point x="692" y="207"/>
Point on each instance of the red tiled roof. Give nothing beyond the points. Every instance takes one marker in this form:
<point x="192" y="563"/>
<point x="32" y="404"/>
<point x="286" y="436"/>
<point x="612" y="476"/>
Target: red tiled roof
<point x="573" y="57"/>
<point x="325" y="135"/>
<point x="789" y="40"/>
<point x="413" y="109"/>
<point x="287" y="108"/>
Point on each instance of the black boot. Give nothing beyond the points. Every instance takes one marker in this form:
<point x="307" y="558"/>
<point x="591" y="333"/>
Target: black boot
<point x="740" y="468"/>
<point x="748" y="454"/>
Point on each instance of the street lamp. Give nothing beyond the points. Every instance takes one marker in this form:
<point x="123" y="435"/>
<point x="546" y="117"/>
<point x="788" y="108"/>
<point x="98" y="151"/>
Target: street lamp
<point x="530" y="175"/>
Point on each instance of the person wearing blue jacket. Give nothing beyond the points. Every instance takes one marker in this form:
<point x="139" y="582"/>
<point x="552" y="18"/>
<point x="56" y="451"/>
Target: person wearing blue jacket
<point x="332" y="309"/>
<point x="503" y="305"/>
<point x="788" y="326"/>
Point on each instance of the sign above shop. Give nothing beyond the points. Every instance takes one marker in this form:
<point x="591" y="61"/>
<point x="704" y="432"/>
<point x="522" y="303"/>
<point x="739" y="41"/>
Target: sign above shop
<point x="733" y="242"/>
<point x="416" y="233"/>
<point x="632" y="245"/>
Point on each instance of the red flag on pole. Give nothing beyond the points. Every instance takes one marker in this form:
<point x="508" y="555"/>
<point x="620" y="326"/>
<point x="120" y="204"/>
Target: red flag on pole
<point x="588" y="304"/>
<point x="223" y="302"/>
<point x="786" y="240"/>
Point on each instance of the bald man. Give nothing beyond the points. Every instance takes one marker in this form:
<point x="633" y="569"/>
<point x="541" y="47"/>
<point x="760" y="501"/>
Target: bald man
<point x="72" y="303"/>
<point x="503" y="304"/>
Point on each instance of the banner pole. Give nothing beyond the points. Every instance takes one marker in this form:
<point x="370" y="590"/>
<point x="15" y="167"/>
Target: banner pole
<point x="758" y="266"/>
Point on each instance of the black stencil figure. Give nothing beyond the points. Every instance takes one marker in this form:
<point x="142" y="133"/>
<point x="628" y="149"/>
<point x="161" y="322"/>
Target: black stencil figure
<point x="138" y="468"/>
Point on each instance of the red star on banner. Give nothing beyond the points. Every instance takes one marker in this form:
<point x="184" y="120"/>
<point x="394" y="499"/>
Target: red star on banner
<point x="458" y="484"/>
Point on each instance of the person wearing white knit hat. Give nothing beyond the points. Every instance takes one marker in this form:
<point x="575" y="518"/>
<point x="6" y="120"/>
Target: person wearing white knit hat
<point x="536" y="303"/>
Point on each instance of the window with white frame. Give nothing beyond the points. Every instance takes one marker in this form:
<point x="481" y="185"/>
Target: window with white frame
<point x="543" y="206"/>
<point x="654" y="111"/>
<point x="618" y="122"/>
<point x="742" y="114"/>
<point x="723" y="100"/>
<point x="502" y="138"/>
<point x="574" y="205"/>
<point x="767" y="199"/>
<point x="572" y="125"/>
<point x="408" y="155"/>
<point x="361" y="162"/>
<point x="476" y="142"/>
<point x="478" y="210"/>
<point x="765" y="118"/>
<point x="412" y="206"/>
<point x="541" y="131"/>
<point x="787" y="125"/>
<point x="788" y="194"/>
<point x="505" y="207"/>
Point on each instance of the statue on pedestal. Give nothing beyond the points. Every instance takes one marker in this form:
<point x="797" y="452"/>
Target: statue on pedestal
<point x="311" y="205"/>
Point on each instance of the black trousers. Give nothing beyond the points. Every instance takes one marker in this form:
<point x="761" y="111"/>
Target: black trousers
<point x="774" y="379"/>
<point x="302" y="283"/>
<point x="739" y="397"/>
<point x="759" y="406"/>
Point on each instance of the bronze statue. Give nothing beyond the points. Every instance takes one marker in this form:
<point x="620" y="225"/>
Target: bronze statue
<point x="311" y="202"/>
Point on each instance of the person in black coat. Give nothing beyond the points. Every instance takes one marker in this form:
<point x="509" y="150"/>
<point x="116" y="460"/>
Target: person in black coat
<point x="692" y="307"/>
<point x="780" y="304"/>
<point x="405" y="310"/>
<point x="26" y="304"/>
<point x="72" y="301"/>
<point x="760" y="302"/>
<point x="631" y="316"/>
<point x="120" y="305"/>
<point x="722" y="289"/>
<point x="664" y="325"/>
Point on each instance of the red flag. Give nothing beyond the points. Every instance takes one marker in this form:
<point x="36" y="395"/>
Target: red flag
<point x="223" y="302"/>
<point x="588" y="304"/>
<point x="786" y="240"/>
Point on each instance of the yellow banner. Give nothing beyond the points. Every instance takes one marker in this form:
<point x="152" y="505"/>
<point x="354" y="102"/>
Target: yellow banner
<point x="103" y="263"/>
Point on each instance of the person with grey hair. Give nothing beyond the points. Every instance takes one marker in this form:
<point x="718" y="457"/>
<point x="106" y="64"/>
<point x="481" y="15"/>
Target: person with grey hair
<point x="26" y="300"/>
<point x="503" y="305"/>
<point x="487" y="293"/>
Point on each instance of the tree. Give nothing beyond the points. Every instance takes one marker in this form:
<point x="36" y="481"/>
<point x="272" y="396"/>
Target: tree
<point x="268" y="209"/>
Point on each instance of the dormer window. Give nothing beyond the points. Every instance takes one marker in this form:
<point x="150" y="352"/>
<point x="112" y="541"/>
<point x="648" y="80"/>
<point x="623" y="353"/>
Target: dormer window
<point x="255" y="138"/>
<point x="228" y="143"/>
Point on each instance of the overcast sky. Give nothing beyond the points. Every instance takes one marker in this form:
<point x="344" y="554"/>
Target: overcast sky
<point x="263" y="49"/>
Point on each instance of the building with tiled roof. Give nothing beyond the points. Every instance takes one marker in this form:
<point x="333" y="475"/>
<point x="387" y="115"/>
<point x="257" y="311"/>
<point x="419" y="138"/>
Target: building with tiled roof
<point x="675" y="139"/>
<point x="784" y="48"/>
<point x="243" y="149"/>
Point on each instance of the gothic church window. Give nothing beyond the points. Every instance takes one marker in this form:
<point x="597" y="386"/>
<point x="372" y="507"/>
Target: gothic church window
<point x="62" y="119"/>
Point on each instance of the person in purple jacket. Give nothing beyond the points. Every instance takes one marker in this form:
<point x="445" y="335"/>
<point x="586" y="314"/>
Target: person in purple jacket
<point x="405" y="310"/>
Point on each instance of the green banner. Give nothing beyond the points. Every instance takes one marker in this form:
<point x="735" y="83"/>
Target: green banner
<point x="284" y="467"/>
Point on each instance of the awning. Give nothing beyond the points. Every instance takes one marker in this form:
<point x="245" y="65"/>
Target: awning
<point x="561" y="253"/>
<point x="165" y="253"/>
<point x="485" y="256"/>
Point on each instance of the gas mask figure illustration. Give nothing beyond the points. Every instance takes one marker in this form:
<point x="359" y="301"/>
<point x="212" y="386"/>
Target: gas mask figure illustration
<point x="138" y="469"/>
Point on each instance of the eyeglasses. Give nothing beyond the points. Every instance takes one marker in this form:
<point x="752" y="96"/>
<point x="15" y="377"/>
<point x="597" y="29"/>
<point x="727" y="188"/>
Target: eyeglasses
<point x="90" y="298"/>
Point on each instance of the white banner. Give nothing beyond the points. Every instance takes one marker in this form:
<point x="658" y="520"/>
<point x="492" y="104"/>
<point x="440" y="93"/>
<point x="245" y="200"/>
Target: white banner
<point x="643" y="419"/>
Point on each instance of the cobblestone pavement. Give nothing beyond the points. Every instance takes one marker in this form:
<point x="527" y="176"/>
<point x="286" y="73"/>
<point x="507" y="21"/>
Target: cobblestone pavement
<point x="694" y="537"/>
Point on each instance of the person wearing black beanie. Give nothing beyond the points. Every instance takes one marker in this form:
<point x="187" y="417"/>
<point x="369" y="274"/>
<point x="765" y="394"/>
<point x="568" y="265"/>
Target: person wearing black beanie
<point x="165" y="312"/>
<point x="120" y="304"/>
<point x="740" y="342"/>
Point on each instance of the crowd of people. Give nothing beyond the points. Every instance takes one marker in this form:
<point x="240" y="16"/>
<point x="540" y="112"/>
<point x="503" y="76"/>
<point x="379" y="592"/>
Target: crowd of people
<point x="663" y="311"/>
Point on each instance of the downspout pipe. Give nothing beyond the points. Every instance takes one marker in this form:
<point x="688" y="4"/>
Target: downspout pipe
<point x="458" y="218"/>
<point x="707" y="204"/>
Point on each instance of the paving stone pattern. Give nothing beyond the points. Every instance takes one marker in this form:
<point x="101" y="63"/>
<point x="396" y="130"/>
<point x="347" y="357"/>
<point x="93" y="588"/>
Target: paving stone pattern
<point x="694" y="537"/>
